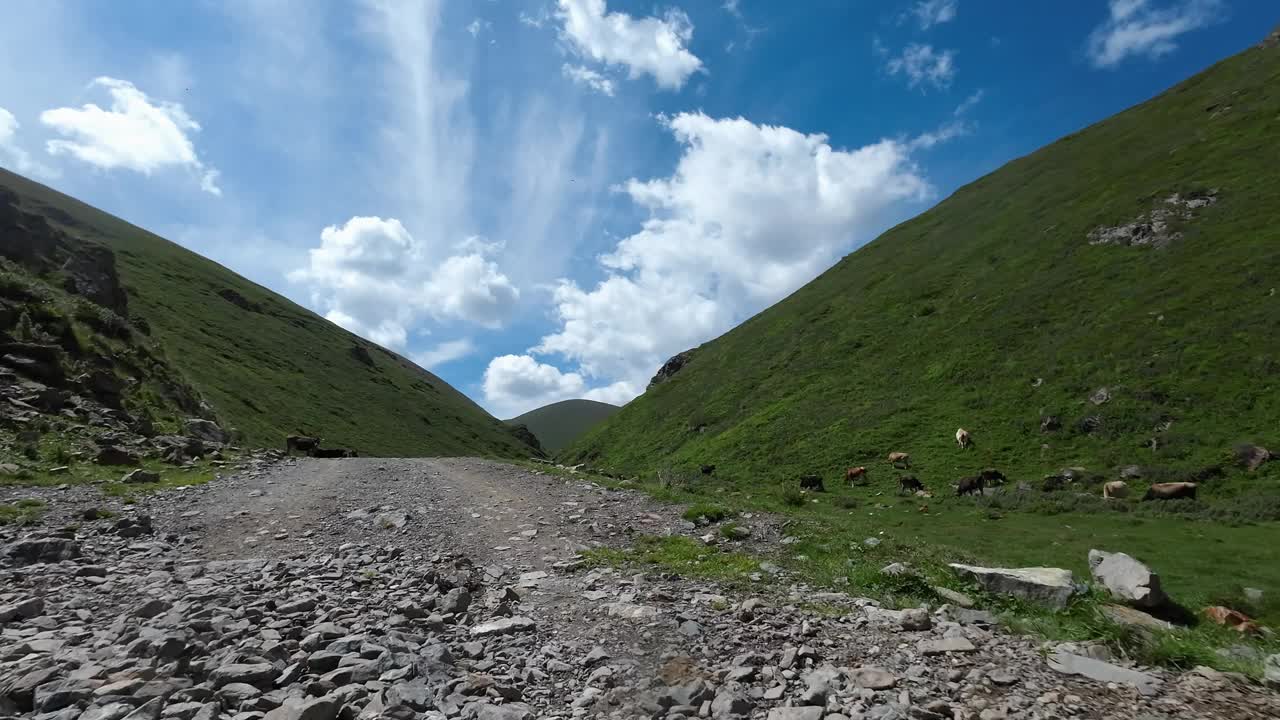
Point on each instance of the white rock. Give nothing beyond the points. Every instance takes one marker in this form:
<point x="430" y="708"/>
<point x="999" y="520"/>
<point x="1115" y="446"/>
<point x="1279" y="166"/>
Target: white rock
<point x="1127" y="579"/>
<point x="1052" y="587"/>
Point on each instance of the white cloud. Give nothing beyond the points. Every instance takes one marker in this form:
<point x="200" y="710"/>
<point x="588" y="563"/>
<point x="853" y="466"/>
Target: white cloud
<point x="656" y="46"/>
<point x="516" y="384"/>
<point x="372" y="277"/>
<point x="13" y="153"/>
<point x="934" y="12"/>
<point x="969" y="103"/>
<point x="922" y="64"/>
<point x="444" y="353"/>
<point x="135" y="134"/>
<point x="586" y="76"/>
<point x="750" y="213"/>
<point x="478" y="26"/>
<point x="1137" y="28"/>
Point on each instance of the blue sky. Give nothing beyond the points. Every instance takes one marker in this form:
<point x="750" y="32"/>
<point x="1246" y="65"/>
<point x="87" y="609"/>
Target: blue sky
<point x="545" y="199"/>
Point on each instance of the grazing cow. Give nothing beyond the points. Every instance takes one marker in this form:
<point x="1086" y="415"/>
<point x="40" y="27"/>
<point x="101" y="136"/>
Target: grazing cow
<point x="1115" y="489"/>
<point x="963" y="438"/>
<point x="855" y="475"/>
<point x="708" y="469"/>
<point x="900" y="459"/>
<point x="909" y="484"/>
<point x="991" y="476"/>
<point x="301" y="443"/>
<point x="812" y="482"/>
<point x="970" y="485"/>
<point x="330" y="453"/>
<point x="1171" y="491"/>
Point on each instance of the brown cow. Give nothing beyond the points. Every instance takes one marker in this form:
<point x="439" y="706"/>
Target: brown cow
<point x="855" y="475"/>
<point x="1171" y="491"/>
<point x="909" y="484"/>
<point x="900" y="459"/>
<point x="970" y="485"/>
<point x="302" y="443"/>
<point x="963" y="438"/>
<point x="1115" y="489"/>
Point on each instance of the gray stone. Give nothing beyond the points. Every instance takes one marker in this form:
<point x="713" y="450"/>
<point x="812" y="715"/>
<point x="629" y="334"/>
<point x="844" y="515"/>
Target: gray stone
<point x="150" y="710"/>
<point x="1122" y="615"/>
<point x="873" y="678"/>
<point x="508" y="711"/>
<point x="323" y="661"/>
<point x="1128" y="580"/>
<point x="455" y="601"/>
<point x="916" y="619"/>
<point x="232" y="694"/>
<point x="1271" y="671"/>
<point x="56" y="695"/>
<point x="954" y="597"/>
<point x="729" y="704"/>
<point x="257" y="674"/>
<point x="134" y="477"/>
<point x="1071" y="664"/>
<point x="945" y="645"/>
<point x="796" y="713"/>
<point x="1001" y="676"/>
<point x="1051" y="587"/>
<point x="182" y="711"/>
<point x="41" y="550"/>
<point x="111" y="711"/>
<point x="694" y="693"/>
<point x="318" y="709"/>
<point x="297" y="606"/>
<point x="503" y="626"/>
<point x="895" y="569"/>
<point x="151" y="608"/>
<point x="414" y="694"/>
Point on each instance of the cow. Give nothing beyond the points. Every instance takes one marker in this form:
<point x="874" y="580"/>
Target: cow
<point x="855" y="475"/>
<point x="708" y="469"/>
<point x="900" y="460"/>
<point x="991" y="476"/>
<point x="812" y="482"/>
<point x="302" y="443"/>
<point x="1171" y="491"/>
<point x="333" y="453"/>
<point x="1115" y="489"/>
<point x="909" y="484"/>
<point x="970" y="485"/>
<point x="963" y="438"/>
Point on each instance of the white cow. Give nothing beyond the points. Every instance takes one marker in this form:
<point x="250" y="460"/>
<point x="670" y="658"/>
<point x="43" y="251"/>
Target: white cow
<point x="963" y="438"/>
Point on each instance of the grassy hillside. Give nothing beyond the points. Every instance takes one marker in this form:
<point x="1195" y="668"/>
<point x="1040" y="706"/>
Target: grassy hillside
<point x="267" y="366"/>
<point x="993" y="310"/>
<point x="558" y="424"/>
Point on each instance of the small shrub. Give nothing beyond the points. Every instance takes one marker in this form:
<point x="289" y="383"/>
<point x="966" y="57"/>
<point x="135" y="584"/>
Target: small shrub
<point x="847" y="502"/>
<point x="705" y="513"/>
<point x="793" y="497"/>
<point x="31" y="452"/>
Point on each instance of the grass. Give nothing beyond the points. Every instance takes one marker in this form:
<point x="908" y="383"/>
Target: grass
<point x="21" y="512"/>
<point x="268" y="366"/>
<point x="679" y="555"/>
<point x="705" y="513"/>
<point x="559" y="424"/>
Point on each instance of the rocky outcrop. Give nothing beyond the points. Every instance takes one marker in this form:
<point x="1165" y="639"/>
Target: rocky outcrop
<point x="1051" y="587"/>
<point x="1128" y="580"/>
<point x="1152" y="229"/>
<point x="206" y="430"/>
<point x="526" y="436"/>
<point x="672" y="366"/>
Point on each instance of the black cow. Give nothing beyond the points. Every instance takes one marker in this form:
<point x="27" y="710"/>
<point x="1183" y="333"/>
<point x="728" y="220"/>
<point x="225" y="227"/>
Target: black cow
<point x="302" y="443"/>
<point x="970" y="485"/>
<point x="708" y="469"/>
<point x="812" y="482"/>
<point x="991" y="476"/>
<point x="909" y="484"/>
<point x="333" y="453"/>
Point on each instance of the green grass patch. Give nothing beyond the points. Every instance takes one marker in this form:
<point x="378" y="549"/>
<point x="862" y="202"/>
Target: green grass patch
<point x="21" y="512"/>
<point x="680" y="555"/>
<point x="705" y="513"/>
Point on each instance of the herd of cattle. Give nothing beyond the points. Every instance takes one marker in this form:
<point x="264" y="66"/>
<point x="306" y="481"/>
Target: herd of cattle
<point x="990" y="477"/>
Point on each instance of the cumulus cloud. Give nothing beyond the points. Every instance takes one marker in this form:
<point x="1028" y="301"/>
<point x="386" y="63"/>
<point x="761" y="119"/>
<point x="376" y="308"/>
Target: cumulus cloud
<point x="372" y="277"/>
<point x="651" y="45"/>
<point x="934" y="12"/>
<point x="516" y="384"/>
<point x="1138" y="28"/>
<point x="136" y="133"/>
<point x="586" y="76"/>
<point x="750" y="213"/>
<point x="13" y="153"/>
<point x="445" y="352"/>
<point x="922" y="64"/>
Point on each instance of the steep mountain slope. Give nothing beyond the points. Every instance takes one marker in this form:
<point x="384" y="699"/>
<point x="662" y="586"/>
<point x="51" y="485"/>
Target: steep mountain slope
<point x="1008" y="306"/>
<point x="267" y="367"/>
<point x="558" y="424"/>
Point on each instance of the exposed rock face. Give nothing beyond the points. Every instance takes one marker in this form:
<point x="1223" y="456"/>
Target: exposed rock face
<point x="206" y="430"/>
<point x="1071" y="664"/>
<point x="671" y="367"/>
<point x="1152" y="229"/>
<point x="1128" y="580"/>
<point x="1052" y="587"/>
<point x="526" y="436"/>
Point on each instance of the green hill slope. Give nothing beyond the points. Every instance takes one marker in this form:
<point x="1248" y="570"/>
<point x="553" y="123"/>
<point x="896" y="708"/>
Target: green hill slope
<point x="996" y="311"/>
<point x="558" y="424"/>
<point x="267" y="366"/>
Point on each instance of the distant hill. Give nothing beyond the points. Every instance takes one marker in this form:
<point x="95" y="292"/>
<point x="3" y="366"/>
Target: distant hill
<point x="1112" y="299"/>
<point x="182" y="336"/>
<point x="558" y="424"/>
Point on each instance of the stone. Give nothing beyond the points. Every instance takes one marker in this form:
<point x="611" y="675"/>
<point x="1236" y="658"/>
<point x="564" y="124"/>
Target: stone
<point x="946" y="645"/>
<point x="503" y="626"/>
<point x="41" y="550"/>
<point x="895" y="569"/>
<point x="954" y="597"/>
<point x="1128" y="580"/>
<point x="730" y="704"/>
<point x="1072" y="664"/>
<point x="304" y="605"/>
<point x="1051" y="587"/>
<point x="916" y="619"/>
<point x="205" y="430"/>
<point x="233" y="694"/>
<point x="134" y="477"/>
<point x="182" y="711"/>
<point x="257" y="674"/>
<point x="1002" y="677"/>
<point x="318" y="709"/>
<point x="56" y="695"/>
<point x="1122" y="615"/>
<point x="151" y="608"/>
<point x="1271" y="671"/>
<point x="873" y="678"/>
<point x="112" y="711"/>
<point x="507" y="711"/>
<point x="455" y="601"/>
<point x="150" y="710"/>
<point x="27" y="609"/>
<point x="796" y="713"/>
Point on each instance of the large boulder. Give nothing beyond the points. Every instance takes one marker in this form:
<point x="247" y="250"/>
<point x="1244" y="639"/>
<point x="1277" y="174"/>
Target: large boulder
<point x="41" y="550"/>
<point x="1271" y="671"/>
<point x="206" y="430"/>
<point x="1128" y="580"/>
<point x="672" y="366"/>
<point x="1051" y="587"/>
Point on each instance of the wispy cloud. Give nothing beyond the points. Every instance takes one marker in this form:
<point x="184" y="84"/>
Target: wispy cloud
<point x="922" y="65"/>
<point x="445" y="353"/>
<point x="1140" y="28"/>
<point x="934" y="12"/>
<point x="586" y="76"/>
